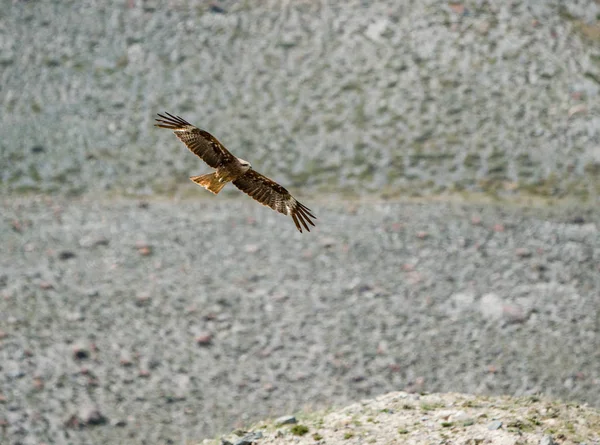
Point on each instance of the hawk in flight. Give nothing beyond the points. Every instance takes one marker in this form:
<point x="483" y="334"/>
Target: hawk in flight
<point x="232" y="169"/>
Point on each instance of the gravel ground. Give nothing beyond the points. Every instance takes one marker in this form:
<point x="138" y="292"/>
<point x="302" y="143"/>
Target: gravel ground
<point x="169" y="320"/>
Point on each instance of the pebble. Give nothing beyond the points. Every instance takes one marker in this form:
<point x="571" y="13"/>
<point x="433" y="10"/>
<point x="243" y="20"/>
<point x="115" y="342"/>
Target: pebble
<point x="547" y="440"/>
<point x="285" y="420"/>
<point x="91" y="415"/>
<point x="204" y="339"/>
<point x="81" y="352"/>
<point x="491" y="306"/>
<point x="93" y="241"/>
<point x="66" y="255"/>
<point x="494" y="425"/>
<point x="523" y="252"/>
<point x="249" y="438"/>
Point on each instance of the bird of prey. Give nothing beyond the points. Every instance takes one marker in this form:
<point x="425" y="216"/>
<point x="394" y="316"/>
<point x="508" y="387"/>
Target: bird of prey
<point x="230" y="168"/>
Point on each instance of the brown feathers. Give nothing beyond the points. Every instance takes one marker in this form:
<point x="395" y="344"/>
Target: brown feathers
<point x="232" y="169"/>
<point x="199" y="142"/>
<point x="271" y="194"/>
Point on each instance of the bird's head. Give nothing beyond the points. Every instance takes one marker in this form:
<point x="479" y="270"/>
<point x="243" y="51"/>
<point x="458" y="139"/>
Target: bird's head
<point x="245" y="164"/>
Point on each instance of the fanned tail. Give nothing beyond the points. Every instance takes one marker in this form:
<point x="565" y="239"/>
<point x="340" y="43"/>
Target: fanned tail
<point x="210" y="182"/>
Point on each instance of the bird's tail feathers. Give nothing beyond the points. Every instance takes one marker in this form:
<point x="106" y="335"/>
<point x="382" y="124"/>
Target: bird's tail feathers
<point x="210" y="182"/>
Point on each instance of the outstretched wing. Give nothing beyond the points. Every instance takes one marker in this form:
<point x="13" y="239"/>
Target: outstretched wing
<point x="271" y="194"/>
<point x="200" y="142"/>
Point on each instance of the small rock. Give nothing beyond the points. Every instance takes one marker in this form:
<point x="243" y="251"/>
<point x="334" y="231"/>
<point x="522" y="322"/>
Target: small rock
<point x="396" y="227"/>
<point x="38" y="383"/>
<point x="394" y="367"/>
<point x="216" y="8"/>
<point x="143" y="248"/>
<point x="523" y="252"/>
<point x="80" y="352"/>
<point x="491" y="306"/>
<point x="577" y="109"/>
<point x="547" y="440"/>
<point x="269" y="387"/>
<point x="204" y="339"/>
<point x="72" y="422"/>
<point x="376" y="29"/>
<point x="462" y="301"/>
<point x="173" y="398"/>
<point x="125" y="360"/>
<point x="92" y="293"/>
<point x="457" y="8"/>
<point x="285" y="420"/>
<point x="460" y="416"/>
<point x="483" y="27"/>
<point x="17" y="226"/>
<point x="515" y="313"/>
<point x="66" y="255"/>
<point x="495" y="425"/>
<point x="249" y="438"/>
<point x="142" y="299"/>
<point x="327" y="242"/>
<point x="407" y="267"/>
<point x="46" y="285"/>
<point x="38" y="149"/>
<point x="498" y="228"/>
<point x="119" y="423"/>
<point x="90" y="242"/>
<point x="90" y="415"/>
<point x="153" y="363"/>
<point x="74" y="316"/>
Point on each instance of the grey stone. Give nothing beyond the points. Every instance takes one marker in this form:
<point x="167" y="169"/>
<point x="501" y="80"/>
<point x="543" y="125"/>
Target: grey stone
<point x="284" y="420"/>
<point x="91" y="415"/>
<point x="491" y="306"/>
<point x="249" y="438"/>
<point x="547" y="440"/>
<point x="494" y="425"/>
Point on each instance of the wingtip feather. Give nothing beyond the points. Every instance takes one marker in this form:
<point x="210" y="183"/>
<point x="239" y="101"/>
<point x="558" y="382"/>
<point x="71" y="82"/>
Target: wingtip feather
<point x="296" y="222"/>
<point x="306" y="210"/>
<point x="170" y="121"/>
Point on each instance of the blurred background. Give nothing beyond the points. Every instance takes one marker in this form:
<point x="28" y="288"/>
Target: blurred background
<point x="137" y="309"/>
<point x="357" y="96"/>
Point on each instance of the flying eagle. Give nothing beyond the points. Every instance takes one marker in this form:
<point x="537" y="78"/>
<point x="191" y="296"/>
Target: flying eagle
<point x="232" y="169"/>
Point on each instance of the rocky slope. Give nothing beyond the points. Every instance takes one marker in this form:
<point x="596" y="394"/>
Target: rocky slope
<point x="436" y="418"/>
<point x="412" y="96"/>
